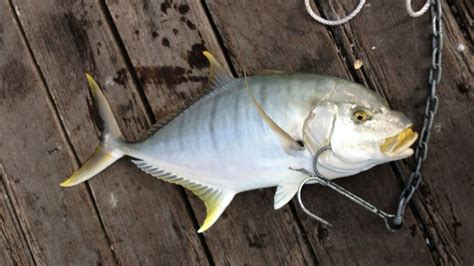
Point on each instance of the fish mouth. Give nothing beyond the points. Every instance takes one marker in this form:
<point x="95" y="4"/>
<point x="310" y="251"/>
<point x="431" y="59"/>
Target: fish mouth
<point x="399" y="144"/>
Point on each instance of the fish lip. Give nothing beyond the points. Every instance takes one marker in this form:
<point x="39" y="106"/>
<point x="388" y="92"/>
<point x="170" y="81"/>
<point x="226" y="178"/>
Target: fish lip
<point x="399" y="145"/>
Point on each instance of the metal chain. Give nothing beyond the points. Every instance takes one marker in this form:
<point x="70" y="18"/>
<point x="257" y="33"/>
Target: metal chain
<point x="395" y="222"/>
<point x="431" y="108"/>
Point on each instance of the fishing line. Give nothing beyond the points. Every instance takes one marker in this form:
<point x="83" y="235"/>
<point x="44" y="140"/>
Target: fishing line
<point x="393" y="221"/>
<point x="357" y="10"/>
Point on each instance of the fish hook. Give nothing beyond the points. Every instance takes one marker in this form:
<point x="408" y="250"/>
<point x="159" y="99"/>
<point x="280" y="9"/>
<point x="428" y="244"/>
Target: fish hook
<point x="311" y="178"/>
<point x="388" y="218"/>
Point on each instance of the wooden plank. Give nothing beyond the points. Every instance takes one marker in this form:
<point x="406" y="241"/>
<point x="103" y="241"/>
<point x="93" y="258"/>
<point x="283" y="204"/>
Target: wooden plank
<point x="13" y="246"/>
<point x="59" y="228"/>
<point x="174" y="34"/>
<point x="463" y="12"/>
<point x="400" y="69"/>
<point x="165" y="40"/>
<point x="146" y="221"/>
<point x="268" y="35"/>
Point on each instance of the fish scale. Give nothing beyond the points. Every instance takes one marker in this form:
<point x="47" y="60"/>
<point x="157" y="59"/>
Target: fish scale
<point x="256" y="132"/>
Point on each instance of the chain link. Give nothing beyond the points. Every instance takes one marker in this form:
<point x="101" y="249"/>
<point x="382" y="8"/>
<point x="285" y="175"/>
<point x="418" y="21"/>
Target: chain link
<point x="432" y="101"/>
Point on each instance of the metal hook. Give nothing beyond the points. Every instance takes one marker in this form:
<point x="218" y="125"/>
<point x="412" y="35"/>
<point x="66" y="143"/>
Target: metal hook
<point x="388" y="218"/>
<point x="312" y="215"/>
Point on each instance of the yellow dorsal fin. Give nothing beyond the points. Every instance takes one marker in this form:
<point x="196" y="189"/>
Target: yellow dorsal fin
<point x="289" y="144"/>
<point x="218" y="76"/>
<point x="215" y="199"/>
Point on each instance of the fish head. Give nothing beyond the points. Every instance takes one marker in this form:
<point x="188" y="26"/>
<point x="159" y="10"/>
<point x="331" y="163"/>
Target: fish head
<point x="361" y="129"/>
<point x="361" y="133"/>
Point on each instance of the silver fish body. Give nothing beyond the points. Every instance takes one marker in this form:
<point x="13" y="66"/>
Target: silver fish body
<point x="222" y="137"/>
<point x="253" y="132"/>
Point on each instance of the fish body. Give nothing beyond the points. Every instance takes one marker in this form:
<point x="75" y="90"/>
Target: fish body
<point x="253" y="132"/>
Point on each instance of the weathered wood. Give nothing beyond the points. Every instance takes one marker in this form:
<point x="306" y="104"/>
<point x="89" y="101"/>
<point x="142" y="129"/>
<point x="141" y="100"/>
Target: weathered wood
<point x="146" y="221"/>
<point x="60" y="228"/>
<point x="165" y="40"/>
<point x="13" y="245"/>
<point x="126" y="217"/>
<point x="269" y="35"/>
<point x="463" y="12"/>
<point x="399" y="66"/>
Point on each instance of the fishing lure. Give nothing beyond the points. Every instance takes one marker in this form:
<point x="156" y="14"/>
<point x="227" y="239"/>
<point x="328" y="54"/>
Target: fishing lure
<point x="253" y="132"/>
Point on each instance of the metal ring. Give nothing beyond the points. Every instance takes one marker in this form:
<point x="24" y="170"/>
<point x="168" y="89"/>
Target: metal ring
<point x="327" y="22"/>
<point x="418" y="13"/>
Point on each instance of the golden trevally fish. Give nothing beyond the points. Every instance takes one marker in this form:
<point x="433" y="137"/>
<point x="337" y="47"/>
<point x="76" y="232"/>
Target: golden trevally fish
<point x="250" y="133"/>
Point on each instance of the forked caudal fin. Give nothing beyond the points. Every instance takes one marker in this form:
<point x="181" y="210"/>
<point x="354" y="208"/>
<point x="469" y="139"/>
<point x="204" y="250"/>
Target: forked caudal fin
<point x="108" y="150"/>
<point x="113" y="146"/>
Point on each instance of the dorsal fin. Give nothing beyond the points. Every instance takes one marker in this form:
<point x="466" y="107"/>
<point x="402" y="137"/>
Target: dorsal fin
<point x="215" y="199"/>
<point x="289" y="144"/>
<point x="161" y="123"/>
<point x="218" y="78"/>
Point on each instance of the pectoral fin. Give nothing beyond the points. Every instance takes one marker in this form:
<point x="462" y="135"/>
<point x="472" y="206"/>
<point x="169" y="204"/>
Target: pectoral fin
<point x="284" y="193"/>
<point x="289" y="144"/>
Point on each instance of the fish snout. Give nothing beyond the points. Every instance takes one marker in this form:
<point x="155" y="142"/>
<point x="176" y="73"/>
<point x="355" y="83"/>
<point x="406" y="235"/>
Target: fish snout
<point x="400" y="143"/>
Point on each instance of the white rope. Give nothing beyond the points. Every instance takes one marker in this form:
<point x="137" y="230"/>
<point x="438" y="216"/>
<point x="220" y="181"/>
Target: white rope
<point x="356" y="11"/>
<point x="419" y="12"/>
<point x="333" y="22"/>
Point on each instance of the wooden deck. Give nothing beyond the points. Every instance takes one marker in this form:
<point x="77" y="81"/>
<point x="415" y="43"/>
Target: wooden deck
<point x="147" y="56"/>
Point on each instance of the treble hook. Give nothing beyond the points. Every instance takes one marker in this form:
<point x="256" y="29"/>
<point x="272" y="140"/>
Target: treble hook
<point x="388" y="218"/>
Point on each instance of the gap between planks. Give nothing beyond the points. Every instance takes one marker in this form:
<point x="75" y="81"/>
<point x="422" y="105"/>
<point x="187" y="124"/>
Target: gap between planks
<point x="59" y="121"/>
<point x="232" y="66"/>
<point x="148" y="109"/>
<point x="149" y="112"/>
<point x="364" y="78"/>
<point x="20" y="224"/>
<point x="437" y="251"/>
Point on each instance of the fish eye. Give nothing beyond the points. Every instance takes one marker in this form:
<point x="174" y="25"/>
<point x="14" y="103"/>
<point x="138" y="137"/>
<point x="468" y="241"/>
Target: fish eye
<point x="360" y="116"/>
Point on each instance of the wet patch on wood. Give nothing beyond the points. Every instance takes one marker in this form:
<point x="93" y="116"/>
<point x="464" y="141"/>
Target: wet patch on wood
<point x="195" y="56"/>
<point x="170" y="76"/>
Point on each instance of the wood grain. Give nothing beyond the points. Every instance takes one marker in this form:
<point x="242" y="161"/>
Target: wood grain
<point x="146" y="221"/>
<point x="59" y="228"/>
<point x="147" y="57"/>
<point x="463" y="13"/>
<point x="280" y="35"/>
<point x="165" y="40"/>
<point x="13" y="244"/>
<point x="400" y="69"/>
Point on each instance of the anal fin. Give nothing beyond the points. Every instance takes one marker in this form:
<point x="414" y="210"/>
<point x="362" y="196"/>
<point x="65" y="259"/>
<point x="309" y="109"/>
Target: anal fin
<point x="215" y="199"/>
<point x="216" y="202"/>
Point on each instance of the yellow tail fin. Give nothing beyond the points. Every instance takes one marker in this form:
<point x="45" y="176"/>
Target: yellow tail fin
<point x="111" y="140"/>
<point x="100" y="160"/>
